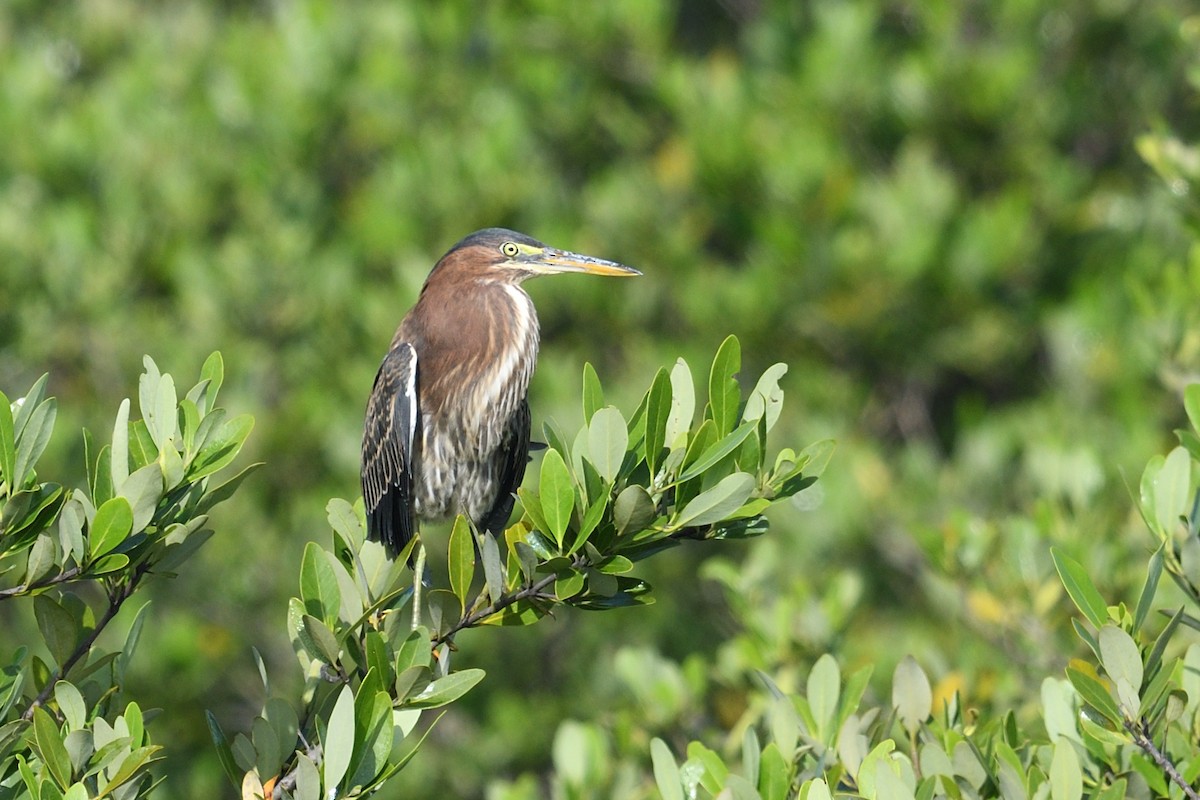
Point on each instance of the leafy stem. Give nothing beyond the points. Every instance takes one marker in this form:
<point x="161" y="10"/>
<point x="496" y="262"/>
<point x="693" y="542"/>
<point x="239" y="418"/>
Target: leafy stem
<point x="1141" y="737"/>
<point x="117" y="596"/>
<point x="66" y="576"/>
<point x="471" y="619"/>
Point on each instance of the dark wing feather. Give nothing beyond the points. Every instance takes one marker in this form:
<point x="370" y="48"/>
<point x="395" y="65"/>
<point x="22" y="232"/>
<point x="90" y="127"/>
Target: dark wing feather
<point x="514" y="450"/>
<point x="387" y="449"/>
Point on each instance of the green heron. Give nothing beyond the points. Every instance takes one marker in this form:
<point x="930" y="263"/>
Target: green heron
<point x="447" y="428"/>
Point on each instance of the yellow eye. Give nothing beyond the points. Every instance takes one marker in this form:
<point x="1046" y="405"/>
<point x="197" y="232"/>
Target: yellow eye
<point x="509" y="249"/>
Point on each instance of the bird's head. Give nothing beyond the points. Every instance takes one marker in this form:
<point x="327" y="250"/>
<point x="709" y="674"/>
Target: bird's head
<point x="501" y="255"/>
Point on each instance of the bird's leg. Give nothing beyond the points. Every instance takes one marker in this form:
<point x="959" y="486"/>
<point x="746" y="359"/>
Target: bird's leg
<point x="418" y="581"/>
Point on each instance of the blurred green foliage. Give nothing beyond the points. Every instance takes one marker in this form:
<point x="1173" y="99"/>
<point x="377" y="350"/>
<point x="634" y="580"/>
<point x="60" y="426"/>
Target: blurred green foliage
<point x="968" y="228"/>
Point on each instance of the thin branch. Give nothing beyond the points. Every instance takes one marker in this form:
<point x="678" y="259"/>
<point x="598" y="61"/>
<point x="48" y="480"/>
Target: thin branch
<point x="85" y="645"/>
<point x="288" y="782"/>
<point x="1142" y="740"/>
<point x="472" y="619"/>
<point x="65" y="576"/>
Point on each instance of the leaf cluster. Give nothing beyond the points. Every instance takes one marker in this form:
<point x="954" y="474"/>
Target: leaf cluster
<point x="77" y="557"/>
<point x="622" y="492"/>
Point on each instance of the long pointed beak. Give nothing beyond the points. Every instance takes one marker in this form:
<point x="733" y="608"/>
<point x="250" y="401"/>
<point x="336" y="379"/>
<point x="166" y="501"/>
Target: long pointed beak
<point x="553" y="261"/>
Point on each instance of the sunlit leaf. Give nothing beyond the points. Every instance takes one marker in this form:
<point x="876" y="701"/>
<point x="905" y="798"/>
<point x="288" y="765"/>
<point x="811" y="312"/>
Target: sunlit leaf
<point x="658" y="409"/>
<point x="50" y="746"/>
<point x="1123" y="662"/>
<point x="724" y="394"/>
<point x="32" y="440"/>
<point x="766" y="400"/>
<point x="593" y="395"/>
<point x="222" y="447"/>
<point x="633" y="510"/>
<point x="718" y="502"/>
<point x="119" y="459"/>
<point x="1079" y="586"/>
<point x="1171" y="489"/>
<point x="912" y="696"/>
<point x="447" y="689"/>
<point x="338" y="743"/>
<point x="1094" y="694"/>
<point x="8" y="444"/>
<point x="319" y="586"/>
<point x="143" y="489"/>
<point x="683" y="404"/>
<point x="607" y="440"/>
<point x="461" y="559"/>
<point x="666" y="771"/>
<point x="557" y="495"/>
<point x="718" y="450"/>
<point x="111" y="526"/>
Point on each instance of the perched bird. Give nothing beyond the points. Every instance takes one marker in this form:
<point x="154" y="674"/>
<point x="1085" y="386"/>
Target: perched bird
<point x="447" y="428"/>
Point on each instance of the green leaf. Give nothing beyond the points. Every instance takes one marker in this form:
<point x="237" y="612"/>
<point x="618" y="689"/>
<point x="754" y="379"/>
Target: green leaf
<point x="166" y="405"/>
<point x="147" y="394"/>
<point x="718" y="502"/>
<point x="111" y="526"/>
<point x="33" y="398"/>
<point x="517" y="614"/>
<point x="608" y="439"/>
<point x="568" y="584"/>
<point x="189" y="423"/>
<point x="8" y="444"/>
<point x="1123" y="662"/>
<point x="593" y="395"/>
<point x="461" y="559"/>
<point x="70" y="703"/>
<point x="414" y="651"/>
<point x="591" y="519"/>
<point x="1095" y="695"/>
<point x="171" y="463"/>
<point x="50" y="747"/>
<point x="1079" y="587"/>
<point x="717" y="451"/>
<point x="666" y="771"/>
<point x="824" y="685"/>
<point x="633" y="510"/>
<point x="1150" y="587"/>
<point x="213" y="371"/>
<point x="683" y="404"/>
<point x="815" y="789"/>
<point x="658" y="409"/>
<point x="911" y="695"/>
<point x="318" y="639"/>
<point x="226" y="490"/>
<point x="1171" y="495"/>
<point x="447" y="689"/>
<point x="774" y="775"/>
<point x="766" y="401"/>
<point x="1191" y="404"/>
<point x="308" y="779"/>
<point x="375" y="736"/>
<point x="142" y="450"/>
<point x="119" y="458"/>
<point x="715" y="770"/>
<point x="32" y="441"/>
<point x="493" y="572"/>
<point x="143" y="489"/>
<point x="558" y="494"/>
<point x="319" y="587"/>
<point x="225" y="753"/>
<point x="724" y="394"/>
<point x="222" y="447"/>
<point x="41" y="559"/>
<point x="338" y="743"/>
